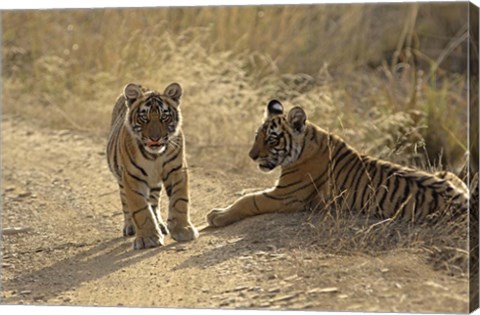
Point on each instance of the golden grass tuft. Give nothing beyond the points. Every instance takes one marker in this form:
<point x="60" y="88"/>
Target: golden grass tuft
<point x="335" y="231"/>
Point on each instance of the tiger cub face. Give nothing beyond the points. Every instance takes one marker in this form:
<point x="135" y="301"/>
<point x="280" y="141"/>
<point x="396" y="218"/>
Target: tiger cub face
<point x="153" y="118"/>
<point x="279" y="140"/>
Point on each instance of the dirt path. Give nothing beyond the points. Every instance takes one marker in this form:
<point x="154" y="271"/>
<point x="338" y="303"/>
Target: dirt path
<point x="56" y="185"/>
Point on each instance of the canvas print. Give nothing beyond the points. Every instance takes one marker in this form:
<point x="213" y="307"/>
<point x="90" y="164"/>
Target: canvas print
<point x="318" y="157"/>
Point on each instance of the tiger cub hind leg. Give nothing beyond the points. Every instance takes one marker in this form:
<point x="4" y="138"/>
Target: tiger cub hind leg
<point x="154" y="203"/>
<point x="128" y="226"/>
<point x="147" y="230"/>
<point x="163" y="227"/>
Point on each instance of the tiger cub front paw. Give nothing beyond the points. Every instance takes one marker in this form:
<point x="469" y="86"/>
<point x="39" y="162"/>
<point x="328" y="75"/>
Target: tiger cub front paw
<point x="182" y="232"/>
<point x="218" y="217"/>
<point x="155" y="239"/>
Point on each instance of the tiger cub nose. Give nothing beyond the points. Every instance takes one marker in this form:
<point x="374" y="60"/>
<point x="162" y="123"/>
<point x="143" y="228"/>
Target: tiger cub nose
<point x="253" y="154"/>
<point x="155" y="138"/>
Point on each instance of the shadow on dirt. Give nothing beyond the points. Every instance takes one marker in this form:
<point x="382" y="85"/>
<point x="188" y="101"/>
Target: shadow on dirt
<point x="268" y="233"/>
<point x="87" y="265"/>
<point x="321" y="234"/>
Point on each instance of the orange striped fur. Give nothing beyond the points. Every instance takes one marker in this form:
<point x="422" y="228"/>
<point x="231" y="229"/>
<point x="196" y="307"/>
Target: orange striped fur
<point x="145" y="152"/>
<point x="318" y="168"/>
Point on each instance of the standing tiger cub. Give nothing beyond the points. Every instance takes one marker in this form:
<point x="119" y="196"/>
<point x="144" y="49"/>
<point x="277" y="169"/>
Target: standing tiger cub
<point x="145" y="150"/>
<point x="318" y="168"/>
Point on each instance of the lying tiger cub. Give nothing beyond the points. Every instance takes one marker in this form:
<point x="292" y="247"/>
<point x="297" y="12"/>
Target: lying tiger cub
<point x="318" y="166"/>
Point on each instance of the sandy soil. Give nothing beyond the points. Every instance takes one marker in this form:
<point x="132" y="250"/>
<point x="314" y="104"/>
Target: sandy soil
<point x="68" y="249"/>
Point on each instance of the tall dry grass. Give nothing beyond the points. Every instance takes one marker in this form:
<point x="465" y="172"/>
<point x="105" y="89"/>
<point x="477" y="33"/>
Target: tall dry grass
<point x="335" y="60"/>
<point x="298" y="38"/>
<point x="443" y="245"/>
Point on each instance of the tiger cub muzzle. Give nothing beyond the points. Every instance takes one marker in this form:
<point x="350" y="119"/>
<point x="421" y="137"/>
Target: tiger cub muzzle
<point x="262" y="158"/>
<point x="156" y="145"/>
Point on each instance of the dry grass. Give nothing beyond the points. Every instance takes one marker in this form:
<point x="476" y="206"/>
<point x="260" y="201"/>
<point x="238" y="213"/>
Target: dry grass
<point x="73" y="64"/>
<point x="66" y="68"/>
<point x="443" y="245"/>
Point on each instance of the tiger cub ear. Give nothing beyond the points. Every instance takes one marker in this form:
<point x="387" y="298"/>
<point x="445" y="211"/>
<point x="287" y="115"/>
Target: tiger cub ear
<point x="174" y="91"/>
<point x="132" y="92"/>
<point x="297" y="118"/>
<point x="274" y="107"/>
